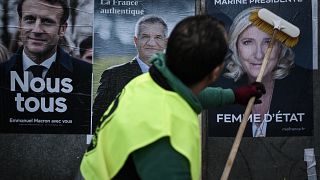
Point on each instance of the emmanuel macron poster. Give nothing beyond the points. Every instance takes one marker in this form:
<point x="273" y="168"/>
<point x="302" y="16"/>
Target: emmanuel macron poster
<point x="45" y="84"/>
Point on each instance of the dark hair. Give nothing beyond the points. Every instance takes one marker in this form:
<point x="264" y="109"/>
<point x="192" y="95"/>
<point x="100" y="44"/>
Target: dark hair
<point x="196" y="46"/>
<point x="150" y="19"/>
<point x="85" y="44"/>
<point x="64" y="4"/>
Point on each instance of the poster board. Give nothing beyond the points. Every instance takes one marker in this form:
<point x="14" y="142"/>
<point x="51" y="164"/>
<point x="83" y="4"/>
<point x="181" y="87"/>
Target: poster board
<point x="116" y="50"/>
<point x="290" y="112"/>
<point x="59" y="100"/>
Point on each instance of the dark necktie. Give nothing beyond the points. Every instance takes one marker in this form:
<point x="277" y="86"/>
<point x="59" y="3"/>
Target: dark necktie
<point x="36" y="70"/>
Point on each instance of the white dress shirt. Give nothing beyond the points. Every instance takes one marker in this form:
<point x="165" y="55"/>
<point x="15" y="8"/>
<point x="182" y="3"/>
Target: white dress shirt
<point x="27" y="62"/>
<point x="143" y="66"/>
<point x="259" y="131"/>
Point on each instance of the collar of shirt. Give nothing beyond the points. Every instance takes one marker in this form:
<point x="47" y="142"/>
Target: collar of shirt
<point x="259" y="131"/>
<point x="27" y="62"/>
<point x="143" y="66"/>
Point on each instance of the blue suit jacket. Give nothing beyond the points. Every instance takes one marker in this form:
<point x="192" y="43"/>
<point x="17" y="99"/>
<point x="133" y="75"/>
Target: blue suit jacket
<point x="112" y="82"/>
<point x="63" y="110"/>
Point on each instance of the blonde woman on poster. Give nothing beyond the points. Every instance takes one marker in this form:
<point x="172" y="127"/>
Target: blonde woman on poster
<point x="287" y="105"/>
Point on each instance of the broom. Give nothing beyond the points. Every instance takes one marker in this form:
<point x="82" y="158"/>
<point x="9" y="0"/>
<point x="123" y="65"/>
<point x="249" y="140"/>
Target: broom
<point x="280" y="30"/>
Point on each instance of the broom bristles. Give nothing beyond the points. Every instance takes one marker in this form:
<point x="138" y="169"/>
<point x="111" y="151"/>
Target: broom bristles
<point x="268" y="28"/>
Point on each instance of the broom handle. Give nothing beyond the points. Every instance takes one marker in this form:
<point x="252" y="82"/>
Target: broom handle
<point x="236" y="143"/>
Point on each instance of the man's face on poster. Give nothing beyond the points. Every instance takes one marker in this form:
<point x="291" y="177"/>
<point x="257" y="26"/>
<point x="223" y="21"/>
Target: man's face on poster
<point x="40" y="27"/>
<point x="252" y="45"/>
<point x="150" y="40"/>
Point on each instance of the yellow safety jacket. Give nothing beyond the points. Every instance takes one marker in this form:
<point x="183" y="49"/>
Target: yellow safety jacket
<point x="142" y="114"/>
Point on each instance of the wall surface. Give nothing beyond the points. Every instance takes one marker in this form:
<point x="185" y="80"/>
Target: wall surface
<point x="40" y="156"/>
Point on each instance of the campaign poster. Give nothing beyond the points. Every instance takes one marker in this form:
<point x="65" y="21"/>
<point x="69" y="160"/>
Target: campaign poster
<point x="287" y="106"/>
<point x="116" y="45"/>
<point x="46" y="66"/>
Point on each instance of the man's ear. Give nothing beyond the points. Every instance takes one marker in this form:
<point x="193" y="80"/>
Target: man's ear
<point x="63" y="29"/>
<point x="20" y="25"/>
<point x="215" y="73"/>
<point x="135" y="40"/>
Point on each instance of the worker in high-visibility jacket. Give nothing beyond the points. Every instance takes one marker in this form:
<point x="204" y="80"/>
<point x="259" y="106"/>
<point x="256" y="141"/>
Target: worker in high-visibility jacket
<point x="151" y="130"/>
